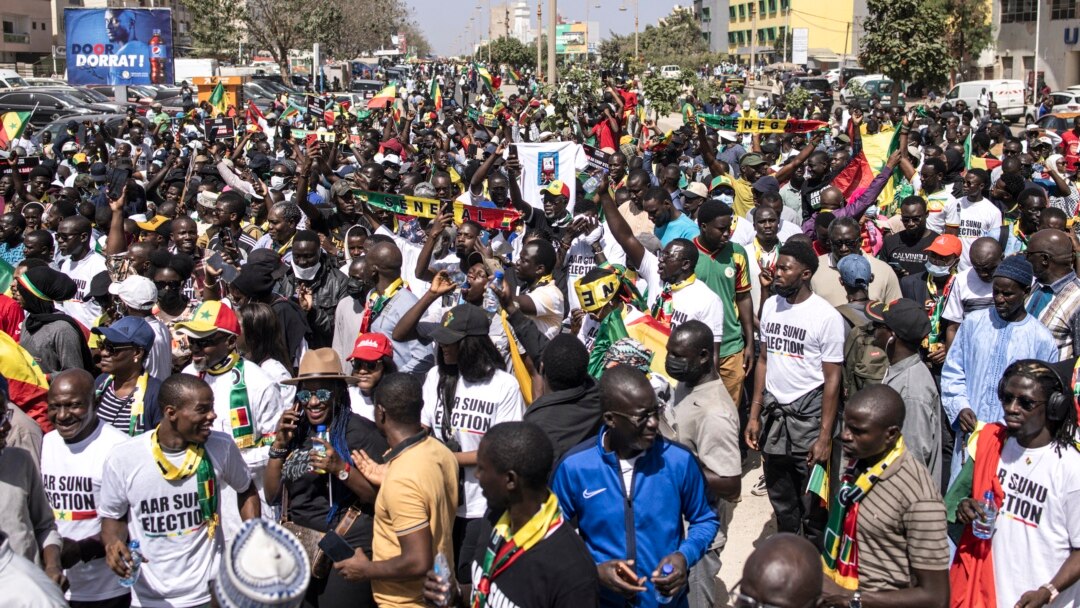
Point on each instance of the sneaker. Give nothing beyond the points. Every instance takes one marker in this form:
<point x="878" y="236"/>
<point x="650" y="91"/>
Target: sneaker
<point x="759" y="487"/>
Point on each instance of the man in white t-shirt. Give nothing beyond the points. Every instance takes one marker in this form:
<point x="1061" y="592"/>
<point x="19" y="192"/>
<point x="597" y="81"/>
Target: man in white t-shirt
<point x="72" y="458"/>
<point x="675" y="295"/>
<point x="162" y="488"/>
<point x="1032" y="468"/>
<point x="973" y="216"/>
<point x="796" y="389"/>
<point x="540" y="298"/>
<point x="247" y="402"/>
<point x="80" y="262"/>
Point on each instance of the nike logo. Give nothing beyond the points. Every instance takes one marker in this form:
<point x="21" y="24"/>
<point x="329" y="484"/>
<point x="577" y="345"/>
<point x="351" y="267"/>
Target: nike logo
<point x="587" y="494"/>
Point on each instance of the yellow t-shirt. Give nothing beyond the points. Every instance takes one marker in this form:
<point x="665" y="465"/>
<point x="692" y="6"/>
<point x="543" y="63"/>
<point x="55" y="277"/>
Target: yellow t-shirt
<point x="419" y="491"/>
<point x="744" y="197"/>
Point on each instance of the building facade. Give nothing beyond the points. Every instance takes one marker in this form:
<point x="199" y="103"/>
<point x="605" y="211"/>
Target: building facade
<point x="762" y="26"/>
<point x="27" y="29"/>
<point x="1016" y="22"/>
<point x="713" y="17"/>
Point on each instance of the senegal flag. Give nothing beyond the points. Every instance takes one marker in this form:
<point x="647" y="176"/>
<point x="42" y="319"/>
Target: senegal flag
<point x="11" y="126"/>
<point x="383" y="98"/>
<point x="217" y="99"/>
<point x="978" y="162"/>
<point x="486" y="77"/>
<point x="436" y="94"/>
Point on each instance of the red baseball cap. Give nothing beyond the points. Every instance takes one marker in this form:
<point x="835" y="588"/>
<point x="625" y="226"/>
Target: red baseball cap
<point x="945" y="245"/>
<point x="371" y="347"/>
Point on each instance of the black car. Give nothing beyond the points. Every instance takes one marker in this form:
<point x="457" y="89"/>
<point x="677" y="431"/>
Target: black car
<point x="81" y="96"/>
<point x="367" y="88"/>
<point x="815" y="85"/>
<point x="45" y="107"/>
<point x="112" y="123"/>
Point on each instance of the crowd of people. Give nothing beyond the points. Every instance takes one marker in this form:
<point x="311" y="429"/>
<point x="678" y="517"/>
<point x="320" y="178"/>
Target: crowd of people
<point x="481" y="348"/>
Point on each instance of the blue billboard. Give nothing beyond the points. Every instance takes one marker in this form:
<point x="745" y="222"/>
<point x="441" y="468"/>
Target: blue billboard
<point x="119" y="45"/>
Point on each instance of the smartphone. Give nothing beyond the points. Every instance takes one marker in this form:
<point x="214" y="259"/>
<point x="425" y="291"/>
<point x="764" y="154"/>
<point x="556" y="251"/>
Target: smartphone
<point x="513" y="152"/>
<point x="336" y="547"/>
<point x="118" y="179"/>
<point x="228" y="271"/>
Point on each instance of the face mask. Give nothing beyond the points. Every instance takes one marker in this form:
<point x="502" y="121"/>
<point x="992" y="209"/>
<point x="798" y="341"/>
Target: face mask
<point x="169" y="296"/>
<point x="785" y="291"/>
<point x="277" y="183"/>
<point x="355" y="288"/>
<point x="937" y="271"/>
<point x="305" y="274"/>
<point x="677" y="367"/>
<point x="727" y="199"/>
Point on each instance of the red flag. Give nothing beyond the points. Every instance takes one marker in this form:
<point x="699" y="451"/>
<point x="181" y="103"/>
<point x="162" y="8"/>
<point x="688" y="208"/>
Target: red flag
<point x="857" y="175"/>
<point x="255" y="119"/>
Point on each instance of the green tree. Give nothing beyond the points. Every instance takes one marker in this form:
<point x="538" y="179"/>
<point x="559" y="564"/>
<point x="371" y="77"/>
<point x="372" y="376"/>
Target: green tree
<point x="968" y="32"/>
<point x="281" y="25"/>
<point x="216" y="27"/>
<point x="510" y="51"/>
<point x="902" y="40"/>
<point x="662" y="94"/>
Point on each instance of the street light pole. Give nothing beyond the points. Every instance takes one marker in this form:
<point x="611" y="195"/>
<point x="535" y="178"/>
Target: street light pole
<point x="539" y="35"/>
<point x="552" y="75"/>
<point x="1035" y="63"/>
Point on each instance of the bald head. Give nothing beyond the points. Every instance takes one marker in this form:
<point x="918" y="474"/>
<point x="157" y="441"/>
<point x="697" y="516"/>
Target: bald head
<point x="1055" y="243"/>
<point x="784" y="571"/>
<point x="386" y="258"/>
<point x="76" y="380"/>
<point x="832" y="198"/>
<point x="985" y="250"/>
<point x="880" y="404"/>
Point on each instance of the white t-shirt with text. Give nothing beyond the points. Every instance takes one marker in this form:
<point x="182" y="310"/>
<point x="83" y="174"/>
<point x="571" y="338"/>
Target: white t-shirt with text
<point x="974" y="220"/>
<point x="695" y="302"/>
<point x="798" y="339"/>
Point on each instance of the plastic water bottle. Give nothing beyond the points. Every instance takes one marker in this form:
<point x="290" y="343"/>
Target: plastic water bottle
<point x="442" y="571"/>
<point x="319" y="448"/>
<point x="491" y="295"/>
<point x="983" y="527"/>
<point x="666" y="570"/>
<point x="136" y="561"/>
<point x="591" y="184"/>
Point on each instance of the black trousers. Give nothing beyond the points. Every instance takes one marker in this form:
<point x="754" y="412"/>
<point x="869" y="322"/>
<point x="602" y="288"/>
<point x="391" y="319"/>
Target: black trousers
<point x="796" y="510"/>
<point x="123" y="601"/>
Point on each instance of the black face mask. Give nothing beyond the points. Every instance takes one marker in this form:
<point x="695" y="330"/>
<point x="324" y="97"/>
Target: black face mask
<point x="677" y="367"/>
<point x="170" y="297"/>
<point x="356" y="288"/>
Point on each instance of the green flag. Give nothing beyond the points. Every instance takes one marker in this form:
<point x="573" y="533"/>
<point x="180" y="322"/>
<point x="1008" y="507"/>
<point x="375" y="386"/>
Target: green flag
<point x="217" y="99"/>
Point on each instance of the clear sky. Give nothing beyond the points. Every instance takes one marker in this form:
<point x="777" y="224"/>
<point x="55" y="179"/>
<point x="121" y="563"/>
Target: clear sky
<point x="443" y="21"/>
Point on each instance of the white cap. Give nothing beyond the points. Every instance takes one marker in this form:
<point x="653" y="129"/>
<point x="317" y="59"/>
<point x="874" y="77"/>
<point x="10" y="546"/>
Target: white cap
<point x="393" y="159"/>
<point x="727" y="135"/>
<point x="69" y="146"/>
<point x="135" y="291"/>
<point x="746" y="104"/>
<point x="1032" y="127"/>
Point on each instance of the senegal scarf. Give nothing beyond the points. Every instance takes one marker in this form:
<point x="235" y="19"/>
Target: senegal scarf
<point x="663" y="308"/>
<point x="971" y="576"/>
<point x="138" y="402"/>
<point x="503" y="549"/>
<point x="935" y="336"/>
<point x="841" y="552"/>
<point x="243" y="429"/>
<point x="376" y="302"/>
<point x="198" y="462"/>
<point x="611" y="330"/>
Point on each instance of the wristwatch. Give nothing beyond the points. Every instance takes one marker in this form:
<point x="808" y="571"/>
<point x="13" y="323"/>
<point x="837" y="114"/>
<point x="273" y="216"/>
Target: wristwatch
<point x="1052" y="589"/>
<point x="343" y="474"/>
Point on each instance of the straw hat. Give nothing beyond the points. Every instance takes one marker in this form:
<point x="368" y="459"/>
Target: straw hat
<point x="320" y="364"/>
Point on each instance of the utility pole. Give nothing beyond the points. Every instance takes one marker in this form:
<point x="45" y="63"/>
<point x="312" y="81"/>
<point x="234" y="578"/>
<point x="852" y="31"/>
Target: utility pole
<point x="753" y="35"/>
<point x="1035" y="61"/>
<point x="635" y="29"/>
<point x="552" y="74"/>
<point x="539" y="34"/>
<point x="490" y="37"/>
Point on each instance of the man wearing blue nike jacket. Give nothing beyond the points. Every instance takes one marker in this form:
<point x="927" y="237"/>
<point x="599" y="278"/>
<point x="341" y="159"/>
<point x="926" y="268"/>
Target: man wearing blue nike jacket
<point x="629" y="492"/>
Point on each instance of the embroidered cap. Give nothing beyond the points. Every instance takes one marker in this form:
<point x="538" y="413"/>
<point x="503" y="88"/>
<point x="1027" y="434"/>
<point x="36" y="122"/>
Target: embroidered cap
<point x="210" y="317"/>
<point x="371" y="347"/>
<point x="557" y="188"/>
<point x="264" y="566"/>
<point x="460" y="321"/>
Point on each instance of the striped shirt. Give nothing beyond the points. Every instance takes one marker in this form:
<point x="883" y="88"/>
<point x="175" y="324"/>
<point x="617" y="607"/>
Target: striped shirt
<point x="1060" y="314"/>
<point x="901" y="527"/>
<point x="115" y="411"/>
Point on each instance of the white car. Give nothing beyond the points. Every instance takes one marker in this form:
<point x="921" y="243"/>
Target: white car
<point x="671" y="72"/>
<point x="1066" y="101"/>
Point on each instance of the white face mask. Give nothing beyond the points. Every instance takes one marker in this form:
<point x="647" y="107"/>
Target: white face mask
<point x="305" y="274"/>
<point x="727" y="199"/>
<point x="277" y="182"/>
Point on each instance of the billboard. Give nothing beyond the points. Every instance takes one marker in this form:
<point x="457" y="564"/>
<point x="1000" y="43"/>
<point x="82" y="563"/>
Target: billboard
<point x="800" y="43"/>
<point x="119" y="45"/>
<point x="570" y="38"/>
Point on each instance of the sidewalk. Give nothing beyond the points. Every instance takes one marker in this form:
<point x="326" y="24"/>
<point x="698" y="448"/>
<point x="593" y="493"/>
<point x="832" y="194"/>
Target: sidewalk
<point x="751" y="522"/>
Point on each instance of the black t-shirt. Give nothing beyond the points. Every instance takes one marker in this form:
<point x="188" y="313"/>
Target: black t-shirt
<point x="294" y="325"/>
<point x="558" y="572"/>
<point x="912" y="258"/>
<point x="309" y="501"/>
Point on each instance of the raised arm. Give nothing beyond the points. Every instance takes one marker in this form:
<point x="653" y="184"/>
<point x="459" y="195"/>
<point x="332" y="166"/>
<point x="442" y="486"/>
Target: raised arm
<point x="620" y="229"/>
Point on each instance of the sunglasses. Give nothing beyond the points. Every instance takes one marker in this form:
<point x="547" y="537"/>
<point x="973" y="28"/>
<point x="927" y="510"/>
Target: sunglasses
<point x="110" y="347"/>
<point x="322" y="394"/>
<point x="1025" y="404"/>
<point x="639" y="420"/>
<point x="850" y="244"/>
<point x="367" y="366"/>
<point x="208" y="341"/>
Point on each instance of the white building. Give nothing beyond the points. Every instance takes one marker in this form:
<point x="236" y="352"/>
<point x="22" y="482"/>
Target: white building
<point x="1013" y="55"/>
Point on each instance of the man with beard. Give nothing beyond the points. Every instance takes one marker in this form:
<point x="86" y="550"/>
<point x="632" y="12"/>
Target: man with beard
<point x="120" y="30"/>
<point x="72" y="459"/>
<point x="229" y="238"/>
<point x="905" y="250"/>
<point x="928" y="183"/>
<point x="164" y="489"/>
<point x="81" y="263"/>
<point x="539" y="297"/>
<point x="126" y="394"/>
<point x="316" y="285"/>
<point x="669" y="223"/>
<point x="1016" y="230"/>
<point x="845" y="238"/>
<point x="387" y="300"/>
<point x="247" y="403"/>
<point x="797" y="378"/>
<point x="987" y="341"/>
<point x="282" y="220"/>
<point x="336" y="221"/>
<point x="706" y="421"/>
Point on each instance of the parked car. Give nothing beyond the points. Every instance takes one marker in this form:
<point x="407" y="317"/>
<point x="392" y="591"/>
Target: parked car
<point x="80" y="96"/>
<point x="670" y="71"/>
<point x="1065" y="101"/>
<point x="837" y="79"/>
<point x="366" y="88"/>
<point x="860" y="90"/>
<point x="815" y="85"/>
<point x="1058" y="123"/>
<point x="10" y="79"/>
<point x="142" y="98"/>
<point x="112" y="123"/>
<point x="1009" y="95"/>
<point x="44" y="106"/>
<point x="46" y="82"/>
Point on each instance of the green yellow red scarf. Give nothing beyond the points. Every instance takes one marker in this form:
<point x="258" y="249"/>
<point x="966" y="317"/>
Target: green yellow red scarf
<point x="504" y="549"/>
